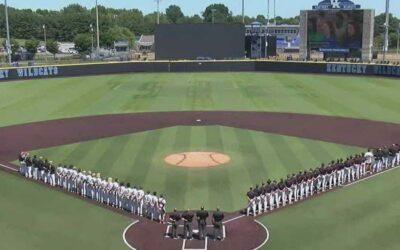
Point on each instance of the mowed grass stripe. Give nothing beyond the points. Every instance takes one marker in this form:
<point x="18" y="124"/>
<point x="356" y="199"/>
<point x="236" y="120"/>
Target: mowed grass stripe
<point x="176" y="180"/>
<point x="358" y="96"/>
<point x="218" y="177"/>
<point x="254" y="161"/>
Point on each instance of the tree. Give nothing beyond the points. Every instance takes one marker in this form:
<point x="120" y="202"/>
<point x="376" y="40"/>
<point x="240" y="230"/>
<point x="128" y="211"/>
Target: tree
<point x="52" y="47"/>
<point x="31" y="46"/>
<point x="221" y="14"/>
<point x="174" y="14"/>
<point x="83" y="43"/>
<point x="261" y="19"/>
<point x="115" y="34"/>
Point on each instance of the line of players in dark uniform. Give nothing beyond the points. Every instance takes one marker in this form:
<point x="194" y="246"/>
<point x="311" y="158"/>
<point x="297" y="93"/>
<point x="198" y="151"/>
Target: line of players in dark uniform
<point x="272" y="194"/>
<point x="92" y="186"/>
<point x="201" y="217"/>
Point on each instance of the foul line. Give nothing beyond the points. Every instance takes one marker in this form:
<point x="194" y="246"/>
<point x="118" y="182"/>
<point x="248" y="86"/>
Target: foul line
<point x="9" y="168"/>
<point x="235" y="218"/>
<point x="266" y="239"/>
<point x="371" y="176"/>
<point x="124" y="233"/>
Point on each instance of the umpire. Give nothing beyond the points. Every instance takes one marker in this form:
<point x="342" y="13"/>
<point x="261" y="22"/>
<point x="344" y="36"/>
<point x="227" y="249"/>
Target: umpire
<point x="202" y="216"/>
<point x="174" y="219"/>
<point x="187" y="217"/>
<point x="218" y="216"/>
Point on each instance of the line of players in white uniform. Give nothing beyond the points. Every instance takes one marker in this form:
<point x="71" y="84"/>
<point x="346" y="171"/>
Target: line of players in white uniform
<point x="273" y="195"/>
<point x="93" y="186"/>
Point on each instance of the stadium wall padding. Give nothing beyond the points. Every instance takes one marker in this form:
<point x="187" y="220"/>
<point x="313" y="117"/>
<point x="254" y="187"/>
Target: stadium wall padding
<point x="22" y="73"/>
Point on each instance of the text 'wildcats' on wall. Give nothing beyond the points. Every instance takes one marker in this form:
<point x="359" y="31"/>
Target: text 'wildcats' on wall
<point x="30" y="72"/>
<point x="198" y="66"/>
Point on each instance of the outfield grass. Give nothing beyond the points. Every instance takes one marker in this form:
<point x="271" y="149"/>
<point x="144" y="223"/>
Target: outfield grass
<point x="255" y="157"/>
<point x="363" y="216"/>
<point x="361" y="97"/>
<point x="36" y="218"/>
<point x="322" y="223"/>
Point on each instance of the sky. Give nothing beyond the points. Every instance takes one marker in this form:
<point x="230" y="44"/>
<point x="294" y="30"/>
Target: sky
<point x="284" y="8"/>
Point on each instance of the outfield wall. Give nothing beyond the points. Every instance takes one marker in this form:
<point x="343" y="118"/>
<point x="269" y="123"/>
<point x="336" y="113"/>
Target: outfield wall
<point x="197" y="66"/>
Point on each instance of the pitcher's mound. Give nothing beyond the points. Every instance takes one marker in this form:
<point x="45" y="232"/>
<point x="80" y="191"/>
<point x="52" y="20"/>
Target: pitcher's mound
<point x="197" y="159"/>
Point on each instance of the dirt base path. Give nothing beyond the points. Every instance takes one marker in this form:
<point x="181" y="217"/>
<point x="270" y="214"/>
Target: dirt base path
<point x="355" y="132"/>
<point x="242" y="233"/>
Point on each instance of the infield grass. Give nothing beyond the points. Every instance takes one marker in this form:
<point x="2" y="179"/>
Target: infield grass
<point x="255" y="157"/>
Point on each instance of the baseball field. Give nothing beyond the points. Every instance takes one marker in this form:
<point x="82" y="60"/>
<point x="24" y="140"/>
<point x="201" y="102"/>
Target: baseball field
<point x="268" y="124"/>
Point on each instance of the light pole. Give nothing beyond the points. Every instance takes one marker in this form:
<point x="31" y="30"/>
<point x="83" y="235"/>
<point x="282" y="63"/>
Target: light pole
<point x="213" y="15"/>
<point x="386" y="40"/>
<point x="398" y="40"/>
<point x="8" y="41"/>
<point x="243" y="11"/>
<point x="97" y="30"/>
<point x="45" y="41"/>
<point x="275" y="12"/>
<point x="267" y="13"/>
<point x="92" y="31"/>
<point x="158" y="11"/>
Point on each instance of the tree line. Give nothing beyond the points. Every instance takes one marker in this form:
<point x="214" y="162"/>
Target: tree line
<point x="78" y="23"/>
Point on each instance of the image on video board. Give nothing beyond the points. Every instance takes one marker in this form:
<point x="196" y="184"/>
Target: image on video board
<point x="335" y="30"/>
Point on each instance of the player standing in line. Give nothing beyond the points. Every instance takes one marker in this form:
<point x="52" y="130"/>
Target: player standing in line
<point x="140" y="197"/>
<point x="162" y="203"/>
<point x="251" y="201"/>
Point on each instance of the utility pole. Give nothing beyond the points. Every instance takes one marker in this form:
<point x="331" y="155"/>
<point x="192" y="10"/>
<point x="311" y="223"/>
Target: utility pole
<point x="275" y="12"/>
<point x="386" y="40"/>
<point x="243" y="11"/>
<point x="45" y="41"/>
<point x="213" y="15"/>
<point x="98" y="30"/>
<point x="8" y="41"/>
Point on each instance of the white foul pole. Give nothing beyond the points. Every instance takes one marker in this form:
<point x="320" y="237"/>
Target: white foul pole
<point x="8" y="41"/>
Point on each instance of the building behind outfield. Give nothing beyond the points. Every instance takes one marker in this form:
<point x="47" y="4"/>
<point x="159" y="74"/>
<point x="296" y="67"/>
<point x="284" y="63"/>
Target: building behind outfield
<point x="199" y="41"/>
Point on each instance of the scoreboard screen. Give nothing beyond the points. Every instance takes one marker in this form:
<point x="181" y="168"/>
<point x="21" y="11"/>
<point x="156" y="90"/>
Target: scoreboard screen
<point x="335" y="30"/>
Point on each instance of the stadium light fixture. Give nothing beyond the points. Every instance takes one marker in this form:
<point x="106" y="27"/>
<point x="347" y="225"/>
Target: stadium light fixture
<point x="8" y="41"/>
<point x="386" y="40"/>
